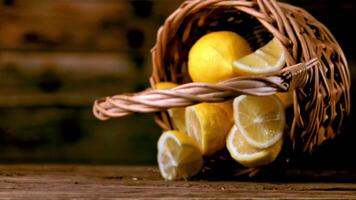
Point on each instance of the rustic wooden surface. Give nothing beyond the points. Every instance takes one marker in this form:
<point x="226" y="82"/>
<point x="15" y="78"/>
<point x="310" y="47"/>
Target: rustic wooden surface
<point x="56" y="57"/>
<point x="133" y="182"/>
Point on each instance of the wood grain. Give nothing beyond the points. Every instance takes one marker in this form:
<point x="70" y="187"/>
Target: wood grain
<point x="77" y="25"/>
<point x="71" y="53"/>
<point x="82" y="47"/>
<point x="133" y="182"/>
<point x="68" y="78"/>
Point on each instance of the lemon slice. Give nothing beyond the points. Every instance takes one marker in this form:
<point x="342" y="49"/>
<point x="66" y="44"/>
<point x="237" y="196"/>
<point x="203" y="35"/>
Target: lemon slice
<point x="176" y="114"/>
<point x="248" y="155"/>
<point x="178" y="157"/>
<point x="261" y="120"/>
<point x="210" y="58"/>
<point x="208" y="124"/>
<point x="269" y="58"/>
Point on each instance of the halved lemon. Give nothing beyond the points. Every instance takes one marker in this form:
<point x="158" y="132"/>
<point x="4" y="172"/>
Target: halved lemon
<point x="176" y="114"/>
<point x="269" y="58"/>
<point x="227" y="107"/>
<point x="248" y="155"/>
<point x="208" y="124"/>
<point x="261" y="120"/>
<point x="179" y="157"/>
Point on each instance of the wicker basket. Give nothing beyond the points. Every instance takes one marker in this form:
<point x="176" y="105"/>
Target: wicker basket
<point x="316" y="67"/>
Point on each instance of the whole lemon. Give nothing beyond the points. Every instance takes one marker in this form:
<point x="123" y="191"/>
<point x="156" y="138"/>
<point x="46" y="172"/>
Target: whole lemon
<point x="208" y="124"/>
<point x="211" y="57"/>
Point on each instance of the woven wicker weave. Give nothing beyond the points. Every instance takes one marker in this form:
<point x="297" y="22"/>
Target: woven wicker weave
<point x="316" y="67"/>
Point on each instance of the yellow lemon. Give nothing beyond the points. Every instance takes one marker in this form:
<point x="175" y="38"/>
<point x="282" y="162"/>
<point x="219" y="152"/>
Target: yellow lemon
<point x="176" y="114"/>
<point x="211" y="57"/>
<point x="260" y="120"/>
<point x="165" y="85"/>
<point x="269" y="58"/>
<point x="208" y="124"/>
<point x="179" y="157"/>
<point x="227" y="107"/>
<point x="248" y="155"/>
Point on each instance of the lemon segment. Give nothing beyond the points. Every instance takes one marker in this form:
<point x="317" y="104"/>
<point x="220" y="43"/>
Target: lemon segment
<point x="176" y="114"/>
<point x="208" y="124"/>
<point x="269" y="58"/>
<point x="178" y="157"/>
<point x="261" y="120"/>
<point x="210" y="58"/>
<point x="248" y="155"/>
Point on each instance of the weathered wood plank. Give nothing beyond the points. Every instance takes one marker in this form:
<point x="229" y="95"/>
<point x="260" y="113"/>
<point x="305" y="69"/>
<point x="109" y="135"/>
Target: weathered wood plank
<point x="80" y="25"/>
<point x="68" y="64"/>
<point x="59" y="23"/>
<point x="113" y="182"/>
<point x="73" y="135"/>
<point x="72" y="78"/>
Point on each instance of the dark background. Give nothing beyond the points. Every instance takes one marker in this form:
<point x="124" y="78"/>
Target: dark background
<point x="57" y="57"/>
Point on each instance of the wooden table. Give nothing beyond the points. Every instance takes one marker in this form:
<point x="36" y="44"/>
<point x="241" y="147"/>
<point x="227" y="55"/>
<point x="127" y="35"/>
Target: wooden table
<point x="133" y="182"/>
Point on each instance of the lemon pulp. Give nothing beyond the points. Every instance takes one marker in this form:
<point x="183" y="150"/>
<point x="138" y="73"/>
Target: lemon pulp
<point x="248" y="155"/>
<point x="267" y="59"/>
<point x="261" y="120"/>
<point x="178" y="157"/>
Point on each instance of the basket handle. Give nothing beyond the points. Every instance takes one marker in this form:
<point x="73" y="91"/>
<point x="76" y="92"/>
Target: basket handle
<point x="152" y="100"/>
